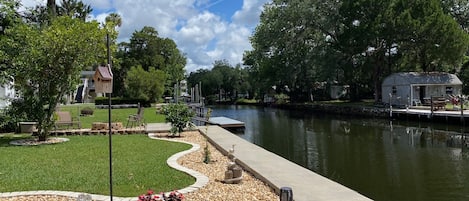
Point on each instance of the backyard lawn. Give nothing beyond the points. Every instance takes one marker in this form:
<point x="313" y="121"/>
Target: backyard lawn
<point x="117" y="115"/>
<point x="82" y="164"/>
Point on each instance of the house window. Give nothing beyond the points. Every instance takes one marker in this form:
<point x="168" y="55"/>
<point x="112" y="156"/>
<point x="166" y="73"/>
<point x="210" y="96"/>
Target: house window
<point x="394" y="90"/>
<point x="449" y="90"/>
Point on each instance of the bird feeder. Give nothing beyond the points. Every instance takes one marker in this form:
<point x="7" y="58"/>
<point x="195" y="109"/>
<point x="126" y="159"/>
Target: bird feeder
<point x="103" y="79"/>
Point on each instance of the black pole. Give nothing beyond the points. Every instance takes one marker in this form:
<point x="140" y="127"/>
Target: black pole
<point x="109" y="115"/>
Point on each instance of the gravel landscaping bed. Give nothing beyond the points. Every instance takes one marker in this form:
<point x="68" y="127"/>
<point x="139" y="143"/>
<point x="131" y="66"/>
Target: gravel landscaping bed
<point x="250" y="189"/>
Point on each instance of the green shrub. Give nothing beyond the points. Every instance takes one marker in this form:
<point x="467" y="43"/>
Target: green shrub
<point x="87" y="111"/>
<point x="281" y="98"/>
<point x="122" y="101"/>
<point x="13" y="114"/>
<point x="179" y="115"/>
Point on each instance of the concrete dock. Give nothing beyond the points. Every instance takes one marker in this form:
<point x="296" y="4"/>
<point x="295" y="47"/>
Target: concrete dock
<point x="225" y="122"/>
<point x="279" y="172"/>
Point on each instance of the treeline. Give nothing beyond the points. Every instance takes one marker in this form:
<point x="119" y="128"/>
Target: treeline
<point x="302" y="46"/>
<point x="147" y="66"/>
<point x="223" y="82"/>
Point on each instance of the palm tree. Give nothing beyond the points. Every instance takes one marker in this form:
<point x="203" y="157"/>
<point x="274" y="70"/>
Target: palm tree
<point x="74" y="8"/>
<point x="51" y="7"/>
<point x="115" y="19"/>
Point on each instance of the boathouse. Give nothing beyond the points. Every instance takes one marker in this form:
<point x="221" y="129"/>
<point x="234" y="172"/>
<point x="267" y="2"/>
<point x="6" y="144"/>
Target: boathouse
<point x="413" y="88"/>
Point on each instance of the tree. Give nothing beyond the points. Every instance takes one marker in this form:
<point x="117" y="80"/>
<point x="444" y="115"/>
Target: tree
<point x="115" y="19"/>
<point x="9" y="17"/>
<point x="301" y="44"/>
<point x="52" y="8"/>
<point x="46" y="63"/>
<point x="147" y="49"/>
<point x="74" y="8"/>
<point x="201" y="77"/>
<point x="148" y="85"/>
<point x="459" y="10"/>
<point x="223" y="81"/>
<point x="179" y="115"/>
<point x="43" y="15"/>
<point x="288" y="44"/>
<point x="433" y="40"/>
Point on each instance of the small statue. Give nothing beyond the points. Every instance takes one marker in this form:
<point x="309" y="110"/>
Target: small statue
<point x="234" y="173"/>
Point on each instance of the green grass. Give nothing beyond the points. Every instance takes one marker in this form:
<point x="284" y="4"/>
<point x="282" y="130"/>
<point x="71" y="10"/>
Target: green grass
<point x="82" y="165"/>
<point x="365" y="102"/>
<point x="117" y="115"/>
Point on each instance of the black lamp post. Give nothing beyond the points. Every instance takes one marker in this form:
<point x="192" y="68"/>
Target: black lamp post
<point x="109" y="118"/>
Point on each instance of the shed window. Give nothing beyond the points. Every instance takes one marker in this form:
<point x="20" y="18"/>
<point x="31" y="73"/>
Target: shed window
<point x="449" y="90"/>
<point x="394" y="90"/>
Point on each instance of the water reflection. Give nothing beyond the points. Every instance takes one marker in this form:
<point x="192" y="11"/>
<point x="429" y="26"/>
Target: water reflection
<point x="383" y="160"/>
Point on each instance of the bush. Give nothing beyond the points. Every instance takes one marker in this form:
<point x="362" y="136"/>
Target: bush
<point x="179" y="115"/>
<point x="122" y="101"/>
<point x="13" y="114"/>
<point x="281" y="98"/>
<point x="87" y="111"/>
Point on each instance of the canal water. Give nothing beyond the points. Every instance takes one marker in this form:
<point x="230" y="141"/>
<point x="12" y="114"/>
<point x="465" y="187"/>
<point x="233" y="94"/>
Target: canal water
<point x="382" y="159"/>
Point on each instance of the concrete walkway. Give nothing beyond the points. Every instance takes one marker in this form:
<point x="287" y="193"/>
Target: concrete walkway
<point x="279" y="172"/>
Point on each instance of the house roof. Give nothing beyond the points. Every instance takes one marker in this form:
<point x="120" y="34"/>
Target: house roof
<point x="86" y="73"/>
<point x="105" y="72"/>
<point x="415" y="78"/>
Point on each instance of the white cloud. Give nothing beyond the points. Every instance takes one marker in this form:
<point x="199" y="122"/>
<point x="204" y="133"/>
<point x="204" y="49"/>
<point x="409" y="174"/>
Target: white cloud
<point x="249" y="14"/>
<point x="203" y="36"/>
<point x="99" y="4"/>
<point x="201" y="29"/>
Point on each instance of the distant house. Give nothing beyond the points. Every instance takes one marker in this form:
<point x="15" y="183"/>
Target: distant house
<point x="85" y="90"/>
<point x="7" y="93"/>
<point x="412" y="88"/>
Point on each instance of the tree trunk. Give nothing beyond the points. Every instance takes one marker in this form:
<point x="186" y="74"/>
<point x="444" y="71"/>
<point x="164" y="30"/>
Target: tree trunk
<point x="52" y="8"/>
<point x="41" y="134"/>
<point x="377" y="75"/>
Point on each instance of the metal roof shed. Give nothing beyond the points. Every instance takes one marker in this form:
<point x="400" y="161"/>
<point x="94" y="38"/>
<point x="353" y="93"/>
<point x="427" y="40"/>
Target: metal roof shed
<point x="409" y="88"/>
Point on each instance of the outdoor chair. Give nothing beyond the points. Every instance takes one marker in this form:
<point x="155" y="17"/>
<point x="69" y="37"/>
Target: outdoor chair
<point x="64" y="118"/>
<point x="136" y="119"/>
<point x="416" y="102"/>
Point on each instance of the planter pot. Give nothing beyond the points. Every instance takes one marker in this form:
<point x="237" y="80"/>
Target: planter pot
<point x="28" y="127"/>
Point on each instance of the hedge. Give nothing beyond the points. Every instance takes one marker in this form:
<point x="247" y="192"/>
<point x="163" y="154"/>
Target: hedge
<point x="122" y="101"/>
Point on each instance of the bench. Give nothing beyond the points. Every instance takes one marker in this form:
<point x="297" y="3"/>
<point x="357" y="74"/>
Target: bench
<point x="438" y="103"/>
<point x="64" y="118"/>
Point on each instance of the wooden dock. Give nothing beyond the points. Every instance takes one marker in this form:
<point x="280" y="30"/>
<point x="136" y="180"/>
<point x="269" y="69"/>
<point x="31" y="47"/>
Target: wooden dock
<point x="438" y="115"/>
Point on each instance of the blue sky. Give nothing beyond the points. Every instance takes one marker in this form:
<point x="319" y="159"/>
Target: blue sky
<point x="204" y="30"/>
<point x="224" y="8"/>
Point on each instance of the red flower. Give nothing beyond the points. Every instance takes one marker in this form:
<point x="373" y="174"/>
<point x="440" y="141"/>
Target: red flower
<point x="150" y="192"/>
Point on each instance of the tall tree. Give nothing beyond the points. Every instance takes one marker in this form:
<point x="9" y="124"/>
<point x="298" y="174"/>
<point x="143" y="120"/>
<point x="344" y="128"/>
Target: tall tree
<point x="115" y="19"/>
<point x="52" y="8"/>
<point x="46" y="63"/>
<point x="432" y="40"/>
<point x="43" y="15"/>
<point x="148" y="85"/>
<point x="147" y="49"/>
<point x="288" y="44"/>
<point x="459" y="10"/>
<point x="74" y="8"/>
<point x="9" y="17"/>
<point x="300" y="43"/>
